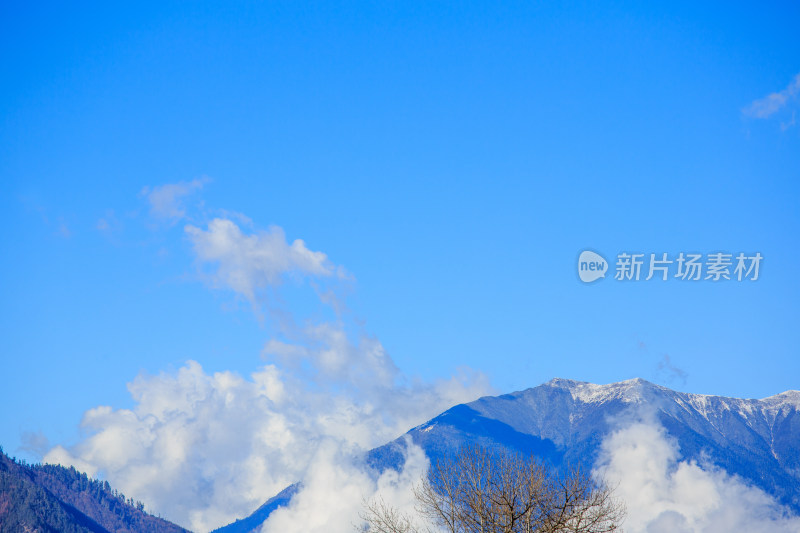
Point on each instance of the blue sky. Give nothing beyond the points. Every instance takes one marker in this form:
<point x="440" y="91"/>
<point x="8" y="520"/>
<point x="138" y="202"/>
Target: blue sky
<point x="453" y="159"/>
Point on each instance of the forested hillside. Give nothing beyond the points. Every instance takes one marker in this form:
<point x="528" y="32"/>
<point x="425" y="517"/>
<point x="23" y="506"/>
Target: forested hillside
<point x="55" y="498"/>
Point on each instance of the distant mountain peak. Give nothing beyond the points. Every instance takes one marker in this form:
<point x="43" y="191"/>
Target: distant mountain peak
<point x="636" y="390"/>
<point x="789" y="397"/>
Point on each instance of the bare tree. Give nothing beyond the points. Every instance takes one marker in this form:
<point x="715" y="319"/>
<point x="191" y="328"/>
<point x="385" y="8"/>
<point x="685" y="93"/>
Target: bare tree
<point x="380" y="517"/>
<point x="478" y="490"/>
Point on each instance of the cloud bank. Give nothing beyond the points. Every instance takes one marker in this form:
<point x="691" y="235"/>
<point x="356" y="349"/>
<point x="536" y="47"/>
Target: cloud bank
<point x="204" y="449"/>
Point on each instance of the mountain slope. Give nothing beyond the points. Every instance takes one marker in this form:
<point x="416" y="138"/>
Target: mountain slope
<point x="258" y="516"/>
<point x="54" y="498"/>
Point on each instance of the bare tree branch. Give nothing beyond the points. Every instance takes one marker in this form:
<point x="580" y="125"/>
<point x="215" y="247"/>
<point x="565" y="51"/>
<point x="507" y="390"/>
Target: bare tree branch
<point x="481" y="490"/>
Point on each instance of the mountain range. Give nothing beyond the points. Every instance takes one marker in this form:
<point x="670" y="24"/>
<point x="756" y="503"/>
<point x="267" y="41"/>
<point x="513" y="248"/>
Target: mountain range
<point x="564" y="422"/>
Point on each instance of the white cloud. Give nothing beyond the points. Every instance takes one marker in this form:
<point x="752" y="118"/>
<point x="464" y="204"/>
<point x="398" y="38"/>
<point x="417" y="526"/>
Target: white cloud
<point x="245" y="263"/>
<point x="772" y="103"/>
<point x="195" y="448"/>
<point x="204" y="449"/>
<point x="664" y="494"/>
<point x="334" y="359"/>
<point x="167" y="202"/>
<point x="335" y="487"/>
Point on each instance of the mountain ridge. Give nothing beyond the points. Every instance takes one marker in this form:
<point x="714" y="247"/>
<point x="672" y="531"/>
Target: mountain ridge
<point x="652" y="396"/>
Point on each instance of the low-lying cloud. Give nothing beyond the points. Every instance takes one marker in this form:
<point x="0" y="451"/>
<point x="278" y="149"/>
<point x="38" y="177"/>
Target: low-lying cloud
<point x="664" y="494"/>
<point x="204" y="449"/>
<point x="335" y="488"/>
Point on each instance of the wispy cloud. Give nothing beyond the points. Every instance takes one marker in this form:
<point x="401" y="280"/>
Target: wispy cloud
<point x="63" y="230"/>
<point x="666" y="370"/>
<point x="670" y="372"/>
<point x="109" y="225"/>
<point x="59" y="225"/>
<point x="168" y="202"/>
<point x="772" y="103"/>
<point x="790" y="123"/>
<point x="34" y="442"/>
